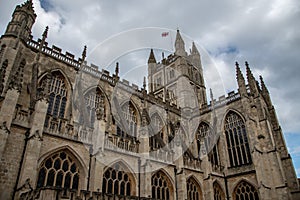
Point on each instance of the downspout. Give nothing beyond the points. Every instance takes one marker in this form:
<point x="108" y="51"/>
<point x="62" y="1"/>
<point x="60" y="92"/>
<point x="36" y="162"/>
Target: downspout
<point x="89" y="172"/>
<point x="139" y="177"/>
<point x="226" y="186"/>
<point x="21" y="164"/>
<point x="175" y="172"/>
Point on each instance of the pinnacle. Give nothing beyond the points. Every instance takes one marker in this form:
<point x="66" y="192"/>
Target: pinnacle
<point x="151" y="57"/>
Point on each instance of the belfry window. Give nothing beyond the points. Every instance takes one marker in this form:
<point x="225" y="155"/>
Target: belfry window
<point x="117" y="181"/>
<point x="94" y="101"/>
<point x="237" y="140"/>
<point x="57" y="97"/>
<point x="161" y="188"/>
<point x="193" y="190"/>
<point x="59" y="170"/>
<point x="245" y="191"/>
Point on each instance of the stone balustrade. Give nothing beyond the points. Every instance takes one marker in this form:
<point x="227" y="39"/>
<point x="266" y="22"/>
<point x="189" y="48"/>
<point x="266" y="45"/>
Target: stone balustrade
<point x="115" y="142"/>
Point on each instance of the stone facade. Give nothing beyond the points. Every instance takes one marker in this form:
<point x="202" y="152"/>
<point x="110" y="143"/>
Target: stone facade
<point x="70" y="131"/>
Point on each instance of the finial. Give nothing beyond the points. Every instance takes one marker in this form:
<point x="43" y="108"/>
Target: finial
<point x="84" y="53"/>
<point x="246" y="64"/>
<point x="45" y="33"/>
<point x="117" y="69"/>
<point x="163" y="55"/>
<point x="151" y="57"/>
<point x="237" y="64"/>
<point x="144" y="83"/>
<point x="211" y="95"/>
<point x="263" y="86"/>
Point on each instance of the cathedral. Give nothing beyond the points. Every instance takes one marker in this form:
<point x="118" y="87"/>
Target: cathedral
<point x="69" y="131"/>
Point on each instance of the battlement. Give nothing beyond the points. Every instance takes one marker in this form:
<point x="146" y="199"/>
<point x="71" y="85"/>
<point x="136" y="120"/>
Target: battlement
<point x="55" y="52"/>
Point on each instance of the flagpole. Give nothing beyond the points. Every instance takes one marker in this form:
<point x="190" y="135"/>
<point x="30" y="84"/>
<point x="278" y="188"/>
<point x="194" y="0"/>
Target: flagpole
<point x="172" y="46"/>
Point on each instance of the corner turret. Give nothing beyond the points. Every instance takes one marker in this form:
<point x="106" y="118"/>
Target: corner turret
<point x="22" y="21"/>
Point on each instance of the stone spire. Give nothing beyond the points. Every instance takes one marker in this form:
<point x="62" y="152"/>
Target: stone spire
<point x="195" y="56"/>
<point x="151" y="57"/>
<point x="251" y="81"/>
<point x="241" y="81"/>
<point x="194" y="49"/>
<point x="265" y="92"/>
<point x="179" y="45"/>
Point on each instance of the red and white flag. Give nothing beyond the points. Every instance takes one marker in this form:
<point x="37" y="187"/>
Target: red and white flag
<point x="164" y="34"/>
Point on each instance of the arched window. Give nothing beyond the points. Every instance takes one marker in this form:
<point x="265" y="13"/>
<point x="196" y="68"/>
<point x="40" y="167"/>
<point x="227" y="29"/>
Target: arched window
<point x="58" y="96"/>
<point x="237" y="140"/>
<point x="161" y="186"/>
<point x="117" y="181"/>
<point x="193" y="190"/>
<point x="245" y="191"/>
<point x="218" y="192"/>
<point x="130" y="115"/>
<point x="94" y="101"/>
<point x="156" y="132"/>
<point x="205" y="133"/>
<point x="59" y="170"/>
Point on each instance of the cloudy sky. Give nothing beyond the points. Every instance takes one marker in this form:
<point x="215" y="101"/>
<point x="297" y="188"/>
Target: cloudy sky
<point x="265" y="33"/>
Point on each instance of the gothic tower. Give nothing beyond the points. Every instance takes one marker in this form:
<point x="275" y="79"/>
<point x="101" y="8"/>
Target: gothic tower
<point x="179" y="77"/>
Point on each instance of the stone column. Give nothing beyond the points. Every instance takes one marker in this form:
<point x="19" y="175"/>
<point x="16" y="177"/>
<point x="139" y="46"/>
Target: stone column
<point x="98" y="150"/>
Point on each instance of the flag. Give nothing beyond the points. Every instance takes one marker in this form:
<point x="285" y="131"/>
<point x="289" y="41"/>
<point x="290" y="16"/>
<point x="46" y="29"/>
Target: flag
<point x="164" y="34"/>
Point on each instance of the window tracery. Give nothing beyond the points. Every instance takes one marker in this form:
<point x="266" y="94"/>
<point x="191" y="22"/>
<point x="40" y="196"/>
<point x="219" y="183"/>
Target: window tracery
<point x="58" y="96"/>
<point x="245" y="191"/>
<point x="117" y="181"/>
<point x="59" y="170"/>
<point x="218" y="192"/>
<point x="94" y="101"/>
<point x="156" y="132"/>
<point x="193" y="190"/>
<point x="161" y="188"/>
<point x="237" y="140"/>
<point x="130" y="116"/>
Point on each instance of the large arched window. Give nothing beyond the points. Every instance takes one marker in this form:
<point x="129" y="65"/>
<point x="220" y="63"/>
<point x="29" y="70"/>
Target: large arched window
<point x="245" y="191"/>
<point x="161" y="186"/>
<point x="237" y="140"/>
<point x="218" y="192"/>
<point x="58" y="96"/>
<point x="94" y="101"/>
<point x="130" y="116"/>
<point x="117" y="181"/>
<point x="193" y="190"/>
<point x="156" y="132"/>
<point x="60" y="170"/>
